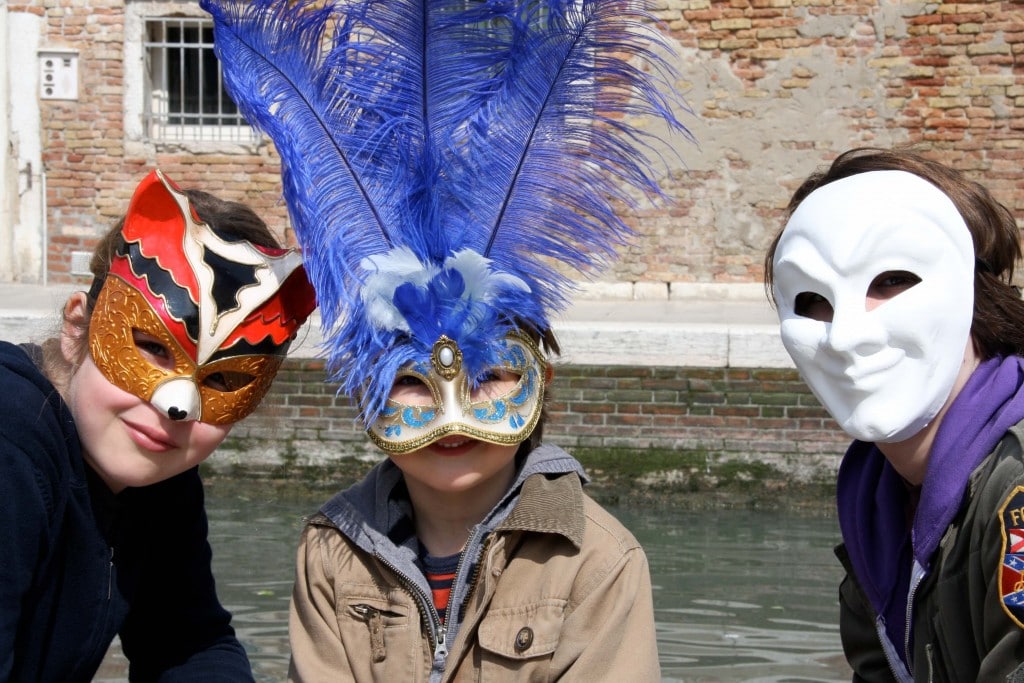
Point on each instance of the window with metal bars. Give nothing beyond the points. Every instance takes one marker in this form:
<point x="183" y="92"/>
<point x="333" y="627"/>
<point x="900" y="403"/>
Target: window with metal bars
<point x="186" y="99"/>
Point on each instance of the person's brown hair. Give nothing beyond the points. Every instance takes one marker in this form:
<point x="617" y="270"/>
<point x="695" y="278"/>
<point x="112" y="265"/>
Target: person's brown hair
<point x="998" y="324"/>
<point x="230" y="220"/>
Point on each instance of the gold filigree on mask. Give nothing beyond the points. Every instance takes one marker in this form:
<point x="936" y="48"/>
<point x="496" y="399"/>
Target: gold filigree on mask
<point x="121" y="310"/>
<point x="432" y="405"/>
<point x="225" y="406"/>
<point x="446" y="357"/>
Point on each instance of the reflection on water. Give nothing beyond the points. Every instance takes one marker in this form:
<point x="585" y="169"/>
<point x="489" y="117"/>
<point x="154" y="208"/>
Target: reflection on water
<point x="743" y="595"/>
<point x="739" y="595"/>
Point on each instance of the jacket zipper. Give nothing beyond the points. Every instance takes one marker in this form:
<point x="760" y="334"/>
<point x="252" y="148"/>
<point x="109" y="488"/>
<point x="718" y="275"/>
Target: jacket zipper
<point x="907" y="629"/>
<point x="427" y="613"/>
<point x="438" y="631"/>
<point x="110" y="575"/>
<point x="916" y="576"/>
<point x="458" y="572"/>
<point x="474" y="578"/>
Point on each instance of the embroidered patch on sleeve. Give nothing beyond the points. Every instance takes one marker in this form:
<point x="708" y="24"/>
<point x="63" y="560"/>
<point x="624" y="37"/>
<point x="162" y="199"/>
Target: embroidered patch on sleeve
<point x="1011" y="570"/>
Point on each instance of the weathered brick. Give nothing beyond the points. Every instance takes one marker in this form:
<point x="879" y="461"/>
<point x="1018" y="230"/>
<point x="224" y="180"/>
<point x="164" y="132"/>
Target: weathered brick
<point x="945" y="76"/>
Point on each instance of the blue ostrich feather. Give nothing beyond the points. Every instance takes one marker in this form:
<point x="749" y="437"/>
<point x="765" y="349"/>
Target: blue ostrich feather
<point x="444" y="161"/>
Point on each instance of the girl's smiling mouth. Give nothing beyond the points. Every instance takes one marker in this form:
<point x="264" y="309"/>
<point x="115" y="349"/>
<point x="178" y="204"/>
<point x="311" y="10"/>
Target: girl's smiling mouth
<point x="150" y="439"/>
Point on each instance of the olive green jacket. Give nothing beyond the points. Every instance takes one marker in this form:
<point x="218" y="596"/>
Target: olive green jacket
<point x="961" y="631"/>
<point x="563" y="592"/>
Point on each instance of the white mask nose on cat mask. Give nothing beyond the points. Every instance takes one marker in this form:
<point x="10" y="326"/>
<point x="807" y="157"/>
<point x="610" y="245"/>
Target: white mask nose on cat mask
<point x="884" y="373"/>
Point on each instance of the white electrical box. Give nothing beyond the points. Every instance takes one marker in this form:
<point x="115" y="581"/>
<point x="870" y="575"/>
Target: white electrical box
<point x="80" y="262"/>
<point x="58" y="74"/>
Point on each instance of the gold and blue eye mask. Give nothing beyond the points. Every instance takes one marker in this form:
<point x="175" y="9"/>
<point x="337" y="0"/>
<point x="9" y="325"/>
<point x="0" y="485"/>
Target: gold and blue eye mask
<point x="429" y="402"/>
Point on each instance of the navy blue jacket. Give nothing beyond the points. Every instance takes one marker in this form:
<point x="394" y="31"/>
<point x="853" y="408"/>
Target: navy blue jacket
<point x="79" y="564"/>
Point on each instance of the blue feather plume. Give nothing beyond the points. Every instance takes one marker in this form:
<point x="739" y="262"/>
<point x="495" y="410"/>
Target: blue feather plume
<point x="443" y="161"/>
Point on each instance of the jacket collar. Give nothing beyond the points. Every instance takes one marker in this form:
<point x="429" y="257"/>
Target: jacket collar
<point x="549" y="506"/>
<point x="369" y="511"/>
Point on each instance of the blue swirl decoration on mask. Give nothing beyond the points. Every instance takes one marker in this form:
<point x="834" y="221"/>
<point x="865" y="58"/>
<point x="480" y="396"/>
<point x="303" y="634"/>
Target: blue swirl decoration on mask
<point x="417" y="417"/>
<point x="512" y="356"/>
<point x="497" y="412"/>
<point x="526" y="389"/>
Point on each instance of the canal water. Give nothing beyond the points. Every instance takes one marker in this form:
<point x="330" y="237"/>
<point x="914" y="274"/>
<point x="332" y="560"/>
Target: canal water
<point x="739" y="595"/>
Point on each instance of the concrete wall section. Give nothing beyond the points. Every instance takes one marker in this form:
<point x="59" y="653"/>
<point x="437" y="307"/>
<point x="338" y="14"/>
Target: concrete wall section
<point x="23" y="256"/>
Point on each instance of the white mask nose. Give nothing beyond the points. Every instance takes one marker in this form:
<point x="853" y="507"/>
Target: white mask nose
<point x="855" y="333"/>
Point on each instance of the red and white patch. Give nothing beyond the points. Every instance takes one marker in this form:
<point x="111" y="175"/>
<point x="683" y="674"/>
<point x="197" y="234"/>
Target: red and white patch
<point x="1011" y="569"/>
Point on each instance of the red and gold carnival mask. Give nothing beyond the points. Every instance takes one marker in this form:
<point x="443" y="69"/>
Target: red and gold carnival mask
<point x="225" y="310"/>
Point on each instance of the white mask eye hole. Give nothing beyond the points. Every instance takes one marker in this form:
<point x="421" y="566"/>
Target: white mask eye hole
<point x="889" y="285"/>
<point x="813" y="305"/>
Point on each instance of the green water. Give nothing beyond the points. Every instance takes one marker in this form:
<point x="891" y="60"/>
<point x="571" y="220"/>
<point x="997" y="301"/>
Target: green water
<point x="739" y="595"/>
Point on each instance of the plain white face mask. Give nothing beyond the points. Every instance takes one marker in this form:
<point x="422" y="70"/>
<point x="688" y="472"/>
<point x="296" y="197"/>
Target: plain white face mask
<point x="883" y="374"/>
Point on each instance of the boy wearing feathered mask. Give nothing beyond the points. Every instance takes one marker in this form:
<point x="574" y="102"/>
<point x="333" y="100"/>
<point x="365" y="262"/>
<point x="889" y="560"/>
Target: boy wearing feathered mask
<point x="444" y="162"/>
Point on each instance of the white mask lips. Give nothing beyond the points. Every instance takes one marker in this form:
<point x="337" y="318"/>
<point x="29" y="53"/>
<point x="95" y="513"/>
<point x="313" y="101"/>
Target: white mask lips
<point x="883" y="374"/>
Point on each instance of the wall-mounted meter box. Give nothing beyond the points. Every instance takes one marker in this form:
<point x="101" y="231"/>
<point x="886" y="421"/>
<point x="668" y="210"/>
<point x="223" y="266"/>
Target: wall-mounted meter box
<point x="58" y="74"/>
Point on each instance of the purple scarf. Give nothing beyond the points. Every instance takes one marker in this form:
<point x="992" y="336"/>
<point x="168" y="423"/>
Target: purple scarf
<point x="872" y="497"/>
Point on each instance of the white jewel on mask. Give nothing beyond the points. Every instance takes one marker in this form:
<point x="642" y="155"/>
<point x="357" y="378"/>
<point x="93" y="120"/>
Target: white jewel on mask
<point x="883" y="374"/>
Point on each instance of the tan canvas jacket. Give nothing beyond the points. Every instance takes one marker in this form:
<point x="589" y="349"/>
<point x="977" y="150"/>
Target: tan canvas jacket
<point x="563" y="593"/>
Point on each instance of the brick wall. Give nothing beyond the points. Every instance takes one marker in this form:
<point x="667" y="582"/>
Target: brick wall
<point x="92" y="166"/>
<point x="705" y="415"/>
<point x="780" y="86"/>
<point x="777" y="87"/>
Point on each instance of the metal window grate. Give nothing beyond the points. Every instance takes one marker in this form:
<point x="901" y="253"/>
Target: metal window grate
<point x="186" y="99"/>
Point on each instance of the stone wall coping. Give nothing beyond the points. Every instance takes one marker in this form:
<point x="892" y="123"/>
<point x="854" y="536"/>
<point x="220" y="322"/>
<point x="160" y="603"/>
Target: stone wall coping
<point x="692" y="324"/>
